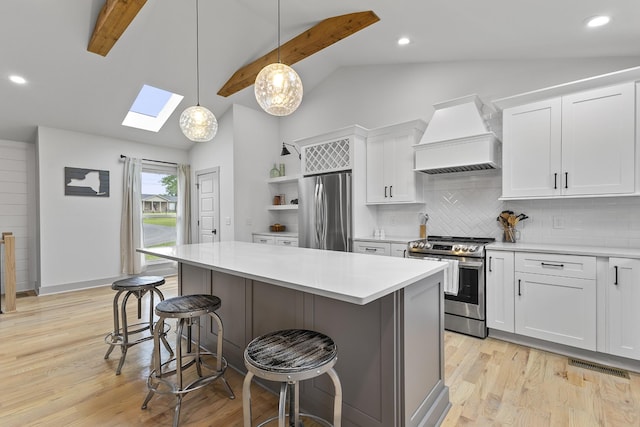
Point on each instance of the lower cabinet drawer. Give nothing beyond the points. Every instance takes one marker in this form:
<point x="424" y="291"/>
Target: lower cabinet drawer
<point x="372" y="248"/>
<point x="267" y="240"/>
<point x="576" y="266"/>
<point x="287" y="241"/>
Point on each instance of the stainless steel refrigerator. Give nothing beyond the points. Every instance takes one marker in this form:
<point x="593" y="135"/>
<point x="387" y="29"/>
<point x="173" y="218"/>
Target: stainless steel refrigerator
<point x="324" y="212"/>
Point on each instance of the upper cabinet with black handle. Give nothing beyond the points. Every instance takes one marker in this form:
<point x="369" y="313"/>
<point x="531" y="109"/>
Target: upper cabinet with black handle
<point x="579" y="144"/>
<point x="390" y="164"/>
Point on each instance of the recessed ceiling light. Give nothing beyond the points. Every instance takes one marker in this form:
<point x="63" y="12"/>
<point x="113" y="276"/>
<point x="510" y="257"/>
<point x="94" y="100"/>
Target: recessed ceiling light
<point x="598" y="21"/>
<point x="17" y="79"/>
<point x="404" y="41"/>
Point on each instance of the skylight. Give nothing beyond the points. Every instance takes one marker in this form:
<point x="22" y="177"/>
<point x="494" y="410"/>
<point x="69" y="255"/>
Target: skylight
<point x="151" y="108"/>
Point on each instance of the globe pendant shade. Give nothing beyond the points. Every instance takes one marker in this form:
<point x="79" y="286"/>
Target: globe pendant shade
<point x="198" y="124"/>
<point x="278" y="89"/>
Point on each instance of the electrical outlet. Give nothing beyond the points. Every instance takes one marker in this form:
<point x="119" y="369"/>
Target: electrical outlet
<point x="558" y="222"/>
<point x="249" y="221"/>
<point x="227" y="220"/>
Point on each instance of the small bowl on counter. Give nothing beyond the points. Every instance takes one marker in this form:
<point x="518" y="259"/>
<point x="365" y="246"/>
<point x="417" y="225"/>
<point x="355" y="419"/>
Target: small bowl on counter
<point x="277" y="228"/>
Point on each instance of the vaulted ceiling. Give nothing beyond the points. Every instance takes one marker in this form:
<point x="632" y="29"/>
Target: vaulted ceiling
<point x="72" y="88"/>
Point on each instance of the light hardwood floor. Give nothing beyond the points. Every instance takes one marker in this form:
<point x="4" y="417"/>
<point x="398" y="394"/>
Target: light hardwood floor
<point x="52" y="373"/>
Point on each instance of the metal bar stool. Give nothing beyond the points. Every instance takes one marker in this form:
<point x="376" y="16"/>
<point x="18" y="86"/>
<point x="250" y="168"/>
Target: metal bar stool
<point x="290" y="356"/>
<point x="187" y="309"/>
<point x="137" y="286"/>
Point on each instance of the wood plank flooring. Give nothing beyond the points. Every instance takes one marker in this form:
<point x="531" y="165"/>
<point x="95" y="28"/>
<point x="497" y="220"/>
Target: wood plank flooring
<point x="52" y="373"/>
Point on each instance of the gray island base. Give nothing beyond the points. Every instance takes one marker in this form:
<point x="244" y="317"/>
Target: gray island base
<point x="389" y="336"/>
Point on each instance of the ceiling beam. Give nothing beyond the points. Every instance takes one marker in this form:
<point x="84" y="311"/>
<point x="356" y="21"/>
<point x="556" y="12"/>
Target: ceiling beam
<point x="113" y="20"/>
<point x="316" y="38"/>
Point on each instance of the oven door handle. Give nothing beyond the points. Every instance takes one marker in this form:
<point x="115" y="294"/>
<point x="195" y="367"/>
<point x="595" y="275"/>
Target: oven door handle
<point x="469" y="264"/>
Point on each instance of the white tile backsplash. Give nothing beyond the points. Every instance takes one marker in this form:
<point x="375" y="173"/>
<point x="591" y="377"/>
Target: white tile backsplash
<point x="467" y="204"/>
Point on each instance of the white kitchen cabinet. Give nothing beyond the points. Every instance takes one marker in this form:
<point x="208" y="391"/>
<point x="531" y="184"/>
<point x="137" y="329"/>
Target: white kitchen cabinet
<point x="286" y="241"/>
<point x="390" y="164"/>
<point x="264" y="239"/>
<point x="622" y="295"/>
<point x="575" y="145"/>
<point x="372" y="248"/>
<point x="531" y="149"/>
<point x="398" y="249"/>
<point x="500" y="290"/>
<point x="290" y="239"/>
<point x="380" y="248"/>
<point x="555" y="298"/>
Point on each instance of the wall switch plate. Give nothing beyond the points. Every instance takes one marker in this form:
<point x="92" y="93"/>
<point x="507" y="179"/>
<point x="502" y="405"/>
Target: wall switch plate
<point x="227" y="220"/>
<point x="249" y="221"/>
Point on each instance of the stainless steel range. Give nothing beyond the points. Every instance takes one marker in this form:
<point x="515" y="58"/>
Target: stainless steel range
<point x="464" y="311"/>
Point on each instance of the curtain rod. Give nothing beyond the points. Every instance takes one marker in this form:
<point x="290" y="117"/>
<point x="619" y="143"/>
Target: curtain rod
<point x="122" y="156"/>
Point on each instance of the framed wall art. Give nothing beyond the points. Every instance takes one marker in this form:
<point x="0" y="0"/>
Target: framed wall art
<point x="86" y="182"/>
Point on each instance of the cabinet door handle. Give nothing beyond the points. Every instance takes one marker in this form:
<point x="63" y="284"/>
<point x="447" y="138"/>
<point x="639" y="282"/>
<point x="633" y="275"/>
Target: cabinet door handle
<point x="391" y="191"/>
<point x="555" y="181"/>
<point x="566" y="180"/>
<point x="370" y="249"/>
<point x="616" y="280"/>
<point x="385" y="191"/>
<point x="404" y="254"/>
<point x="490" y="258"/>
<point x="548" y="264"/>
<point x="519" y="288"/>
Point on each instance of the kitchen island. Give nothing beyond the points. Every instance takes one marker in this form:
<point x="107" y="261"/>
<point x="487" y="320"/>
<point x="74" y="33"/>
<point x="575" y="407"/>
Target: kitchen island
<point x="385" y="314"/>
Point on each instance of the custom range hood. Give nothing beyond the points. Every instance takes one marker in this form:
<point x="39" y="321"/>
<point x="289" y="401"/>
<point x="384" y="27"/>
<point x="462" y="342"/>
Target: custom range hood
<point x="460" y="138"/>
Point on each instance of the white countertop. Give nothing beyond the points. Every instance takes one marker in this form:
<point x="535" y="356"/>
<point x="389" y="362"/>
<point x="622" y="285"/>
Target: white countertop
<point x="565" y="249"/>
<point x="345" y="276"/>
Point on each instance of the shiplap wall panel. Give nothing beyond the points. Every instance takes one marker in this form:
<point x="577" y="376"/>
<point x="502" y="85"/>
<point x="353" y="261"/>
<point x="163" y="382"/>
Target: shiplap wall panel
<point x="14" y="204"/>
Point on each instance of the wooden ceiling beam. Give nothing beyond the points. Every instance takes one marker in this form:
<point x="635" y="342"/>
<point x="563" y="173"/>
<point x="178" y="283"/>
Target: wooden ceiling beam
<point x="316" y="38"/>
<point x="113" y="20"/>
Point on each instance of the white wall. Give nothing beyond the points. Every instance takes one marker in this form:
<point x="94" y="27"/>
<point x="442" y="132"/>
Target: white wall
<point x="18" y="207"/>
<point x="79" y="237"/>
<point x="256" y="149"/>
<point x="216" y="153"/>
<point x="461" y="204"/>
<point x="245" y="149"/>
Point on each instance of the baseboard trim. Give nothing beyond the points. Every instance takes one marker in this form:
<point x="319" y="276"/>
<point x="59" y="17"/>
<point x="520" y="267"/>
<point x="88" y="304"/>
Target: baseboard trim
<point x="565" y="350"/>
<point x="68" y="287"/>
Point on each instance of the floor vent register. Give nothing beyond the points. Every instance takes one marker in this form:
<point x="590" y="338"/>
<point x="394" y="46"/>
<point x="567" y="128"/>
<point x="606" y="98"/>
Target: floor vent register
<point x="599" y="368"/>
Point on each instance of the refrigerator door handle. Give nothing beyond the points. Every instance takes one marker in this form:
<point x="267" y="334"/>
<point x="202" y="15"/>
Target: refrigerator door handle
<point x="324" y="216"/>
<point x="318" y="219"/>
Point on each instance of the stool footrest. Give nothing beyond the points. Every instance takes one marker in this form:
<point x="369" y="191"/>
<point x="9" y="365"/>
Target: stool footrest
<point x="155" y="382"/>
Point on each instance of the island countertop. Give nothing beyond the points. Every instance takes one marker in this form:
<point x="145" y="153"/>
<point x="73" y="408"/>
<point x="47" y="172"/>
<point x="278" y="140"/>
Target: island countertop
<point x="345" y="276"/>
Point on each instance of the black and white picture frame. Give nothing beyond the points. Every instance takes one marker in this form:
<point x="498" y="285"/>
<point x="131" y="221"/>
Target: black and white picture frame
<point x="86" y="182"/>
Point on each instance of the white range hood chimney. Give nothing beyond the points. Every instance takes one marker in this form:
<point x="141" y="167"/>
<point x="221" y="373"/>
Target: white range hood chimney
<point x="460" y="138"/>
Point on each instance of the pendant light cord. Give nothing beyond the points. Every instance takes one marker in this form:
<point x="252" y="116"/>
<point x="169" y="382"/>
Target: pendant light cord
<point x="198" y="54"/>
<point x="278" y="31"/>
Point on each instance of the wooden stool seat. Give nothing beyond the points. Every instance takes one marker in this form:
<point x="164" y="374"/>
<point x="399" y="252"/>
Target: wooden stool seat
<point x="137" y="286"/>
<point x="289" y="356"/>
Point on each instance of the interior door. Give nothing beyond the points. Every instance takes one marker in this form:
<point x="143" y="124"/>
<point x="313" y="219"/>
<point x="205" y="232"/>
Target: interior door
<point x="208" y="207"/>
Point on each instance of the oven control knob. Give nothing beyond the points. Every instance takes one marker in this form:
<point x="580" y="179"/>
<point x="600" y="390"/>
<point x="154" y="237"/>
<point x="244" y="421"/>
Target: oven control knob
<point x="473" y="248"/>
<point x="421" y="245"/>
<point x="413" y="245"/>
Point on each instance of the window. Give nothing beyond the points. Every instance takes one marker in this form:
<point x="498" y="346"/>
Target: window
<point x="159" y="203"/>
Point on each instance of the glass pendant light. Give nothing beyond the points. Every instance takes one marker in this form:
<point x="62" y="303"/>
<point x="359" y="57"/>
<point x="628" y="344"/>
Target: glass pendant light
<point x="197" y="122"/>
<point x="278" y="87"/>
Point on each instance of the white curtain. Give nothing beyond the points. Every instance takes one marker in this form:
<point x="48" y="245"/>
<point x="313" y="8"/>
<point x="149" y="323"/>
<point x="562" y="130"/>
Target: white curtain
<point x="131" y="219"/>
<point x="184" y="204"/>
